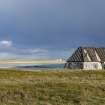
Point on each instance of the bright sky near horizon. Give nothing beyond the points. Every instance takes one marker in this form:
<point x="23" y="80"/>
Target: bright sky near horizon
<point x="50" y="28"/>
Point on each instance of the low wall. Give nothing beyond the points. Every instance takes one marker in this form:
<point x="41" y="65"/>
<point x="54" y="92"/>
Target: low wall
<point x="84" y="65"/>
<point x="74" y="65"/>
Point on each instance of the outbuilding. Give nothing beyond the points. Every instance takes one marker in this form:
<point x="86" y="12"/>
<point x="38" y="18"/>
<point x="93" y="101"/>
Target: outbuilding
<point x="88" y="58"/>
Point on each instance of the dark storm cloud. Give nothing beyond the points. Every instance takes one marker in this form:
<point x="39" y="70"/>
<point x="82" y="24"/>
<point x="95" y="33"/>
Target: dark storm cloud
<point x="53" y="24"/>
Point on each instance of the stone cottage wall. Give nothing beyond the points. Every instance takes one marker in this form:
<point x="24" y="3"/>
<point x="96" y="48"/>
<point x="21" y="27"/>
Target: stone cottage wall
<point x="74" y="65"/>
<point x="84" y="65"/>
<point x="92" y="66"/>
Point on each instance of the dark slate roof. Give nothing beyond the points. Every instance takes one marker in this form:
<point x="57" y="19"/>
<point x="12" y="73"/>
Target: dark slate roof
<point x="92" y="54"/>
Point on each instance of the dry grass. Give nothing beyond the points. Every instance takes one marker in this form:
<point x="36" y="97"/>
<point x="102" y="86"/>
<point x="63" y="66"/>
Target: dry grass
<point x="52" y="87"/>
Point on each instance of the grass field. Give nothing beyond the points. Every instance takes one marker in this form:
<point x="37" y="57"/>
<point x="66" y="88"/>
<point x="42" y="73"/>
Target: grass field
<point x="52" y="87"/>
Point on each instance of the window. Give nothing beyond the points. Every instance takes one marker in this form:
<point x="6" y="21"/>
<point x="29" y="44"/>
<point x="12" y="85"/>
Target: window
<point x="95" y="66"/>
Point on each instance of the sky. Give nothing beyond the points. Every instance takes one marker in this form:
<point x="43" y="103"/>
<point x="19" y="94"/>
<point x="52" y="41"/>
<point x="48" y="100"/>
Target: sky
<point x="46" y="29"/>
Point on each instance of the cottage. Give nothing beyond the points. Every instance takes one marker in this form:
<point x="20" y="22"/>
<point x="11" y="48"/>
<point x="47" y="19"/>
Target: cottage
<point x="88" y="58"/>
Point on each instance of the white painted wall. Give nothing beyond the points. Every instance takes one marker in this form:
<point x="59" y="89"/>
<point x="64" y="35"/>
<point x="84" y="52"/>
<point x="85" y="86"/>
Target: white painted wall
<point x="103" y="65"/>
<point x="92" y="66"/>
<point x="86" y="65"/>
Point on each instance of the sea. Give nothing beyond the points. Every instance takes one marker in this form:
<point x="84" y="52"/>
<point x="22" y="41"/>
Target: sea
<point x="33" y="66"/>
